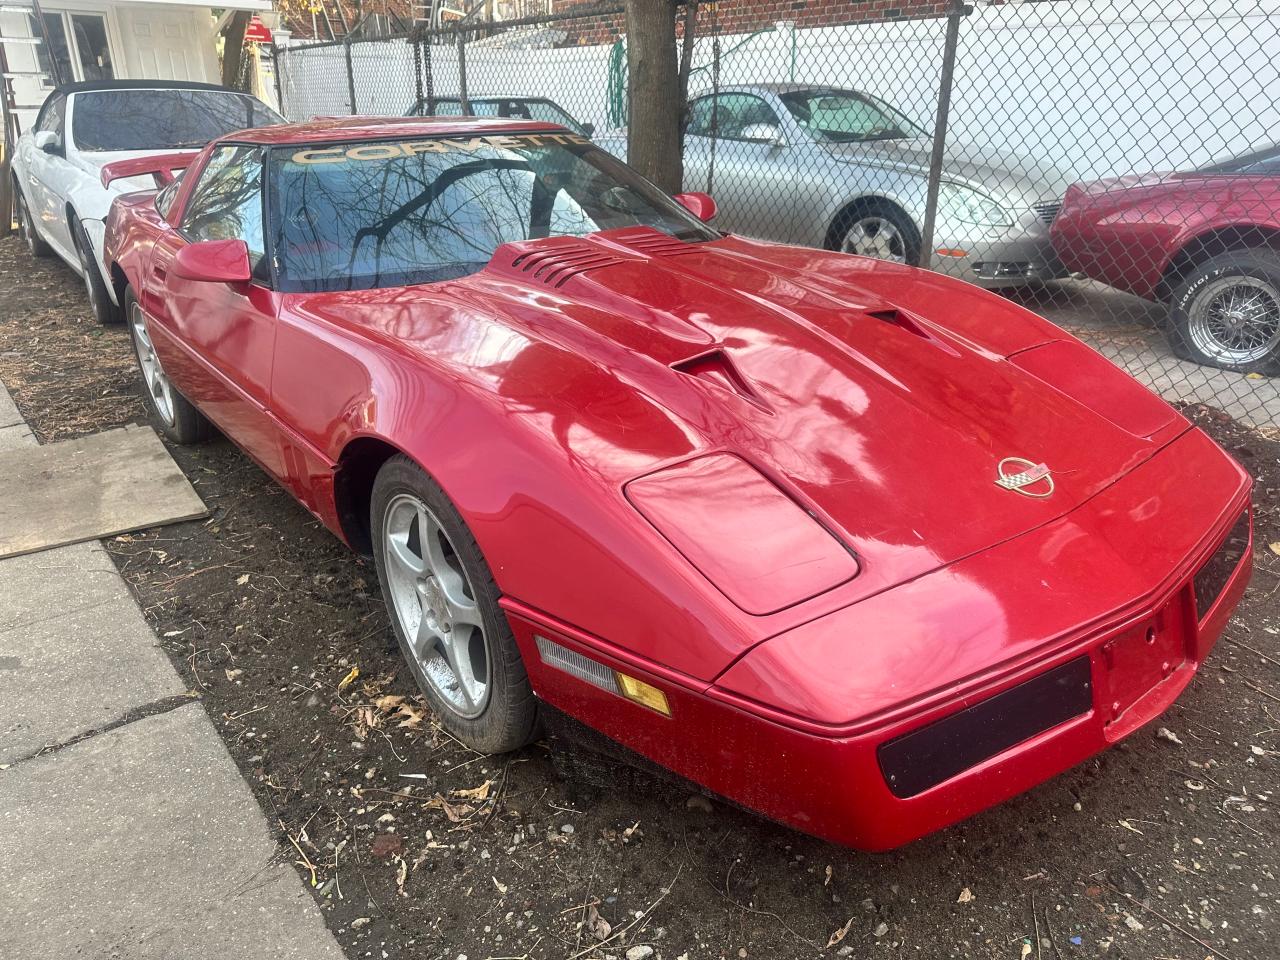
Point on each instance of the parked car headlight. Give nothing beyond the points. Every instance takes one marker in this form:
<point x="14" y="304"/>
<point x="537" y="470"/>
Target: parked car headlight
<point x="969" y="206"/>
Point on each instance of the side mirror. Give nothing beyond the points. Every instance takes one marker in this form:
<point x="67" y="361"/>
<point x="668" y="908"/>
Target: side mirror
<point x="588" y="130"/>
<point x="762" y="133"/>
<point x="214" y="261"/>
<point x="49" y="142"/>
<point x="699" y="204"/>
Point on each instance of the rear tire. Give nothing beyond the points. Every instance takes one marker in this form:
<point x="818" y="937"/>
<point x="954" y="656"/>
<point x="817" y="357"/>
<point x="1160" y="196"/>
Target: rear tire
<point x="443" y="605"/>
<point x="104" y="311"/>
<point x="1226" y="312"/>
<point x="27" y="229"/>
<point x="171" y="412"/>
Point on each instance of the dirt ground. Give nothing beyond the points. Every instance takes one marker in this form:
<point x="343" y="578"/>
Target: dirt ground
<point x="414" y="846"/>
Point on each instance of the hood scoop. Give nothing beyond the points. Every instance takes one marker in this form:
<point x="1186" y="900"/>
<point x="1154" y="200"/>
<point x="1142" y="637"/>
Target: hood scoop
<point x="555" y="266"/>
<point x="715" y="367"/>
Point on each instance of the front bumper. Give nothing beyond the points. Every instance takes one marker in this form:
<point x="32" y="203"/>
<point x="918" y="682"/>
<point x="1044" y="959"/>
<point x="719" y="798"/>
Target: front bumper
<point x="830" y="777"/>
<point x="996" y="257"/>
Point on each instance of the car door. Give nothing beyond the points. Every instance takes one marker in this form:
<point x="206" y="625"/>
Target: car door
<point x="739" y="157"/>
<point x="50" y="176"/>
<point x="225" y="331"/>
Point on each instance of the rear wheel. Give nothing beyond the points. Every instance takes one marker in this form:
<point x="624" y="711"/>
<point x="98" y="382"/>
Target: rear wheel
<point x="444" y="611"/>
<point x="27" y="229"/>
<point x="878" y="230"/>
<point x="1226" y="312"/>
<point x="171" y="411"/>
<point x="104" y="311"/>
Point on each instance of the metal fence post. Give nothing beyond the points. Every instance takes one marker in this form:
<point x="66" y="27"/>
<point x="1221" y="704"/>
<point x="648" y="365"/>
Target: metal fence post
<point x="417" y="74"/>
<point x="462" y="76"/>
<point x="351" y="77"/>
<point x="959" y="9"/>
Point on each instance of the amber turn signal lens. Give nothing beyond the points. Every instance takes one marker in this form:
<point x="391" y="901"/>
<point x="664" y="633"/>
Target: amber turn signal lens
<point x="645" y="694"/>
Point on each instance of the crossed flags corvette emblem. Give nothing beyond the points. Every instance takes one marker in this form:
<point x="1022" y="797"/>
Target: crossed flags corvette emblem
<point x="1024" y="477"/>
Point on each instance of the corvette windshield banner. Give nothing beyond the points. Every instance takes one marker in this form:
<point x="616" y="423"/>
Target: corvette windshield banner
<point x="371" y="152"/>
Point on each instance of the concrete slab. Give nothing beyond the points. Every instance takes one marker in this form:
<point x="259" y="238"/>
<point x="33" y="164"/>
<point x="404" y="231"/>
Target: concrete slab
<point x="8" y="410"/>
<point x="18" y="435"/>
<point x="52" y="583"/>
<point x="165" y="855"/>
<point x="95" y="486"/>
<point x="63" y="676"/>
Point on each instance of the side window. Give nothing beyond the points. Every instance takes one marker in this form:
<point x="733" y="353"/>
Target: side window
<point x="227" y="202"/>
<point x="52" y="115"/>
<point x="700" y="117"/>
<point x="740" y="111"/>
<point x="165" y="198"/>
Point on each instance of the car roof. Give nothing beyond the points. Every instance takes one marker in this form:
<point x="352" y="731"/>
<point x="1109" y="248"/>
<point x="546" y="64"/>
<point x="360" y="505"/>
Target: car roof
<point x="341" y="129"/>
<point x="91" y="86"/>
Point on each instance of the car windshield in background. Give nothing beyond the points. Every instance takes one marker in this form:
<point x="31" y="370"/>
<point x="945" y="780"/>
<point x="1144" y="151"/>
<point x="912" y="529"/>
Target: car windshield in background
<point x="360" y="215"/>
<point x="1260" y="163"/>
<point x="844" y="117"/>
<point x="163" y="119"/>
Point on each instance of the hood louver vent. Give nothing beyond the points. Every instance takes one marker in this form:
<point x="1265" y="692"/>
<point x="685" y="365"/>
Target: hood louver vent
<point x="556" y="266"/>
<point x="653" y="243"/>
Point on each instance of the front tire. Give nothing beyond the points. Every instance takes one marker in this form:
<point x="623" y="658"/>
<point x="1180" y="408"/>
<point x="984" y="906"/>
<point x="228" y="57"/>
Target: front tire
<point x="444" y="610"/>
<point x="104" y="311"/>
<point x="1226" y="312"/>
<point x="877" y="229"/>
<point x="171" y="412"/>
<point x="27" y="229"/>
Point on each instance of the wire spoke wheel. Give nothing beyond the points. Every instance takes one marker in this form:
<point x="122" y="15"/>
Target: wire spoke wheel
<point x="432" y="598"/>
<point x="153" y="375"/>
<point x="875" y="236"/>
<point x="1235" y="320"/>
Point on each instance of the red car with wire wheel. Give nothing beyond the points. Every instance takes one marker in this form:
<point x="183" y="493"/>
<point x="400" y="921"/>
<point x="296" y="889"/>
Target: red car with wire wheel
<point x="861" y="547"/>
<point x="1207" y="243"/>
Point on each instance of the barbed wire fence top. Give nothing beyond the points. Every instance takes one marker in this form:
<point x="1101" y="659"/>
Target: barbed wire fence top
<point x="1109" y="165"/>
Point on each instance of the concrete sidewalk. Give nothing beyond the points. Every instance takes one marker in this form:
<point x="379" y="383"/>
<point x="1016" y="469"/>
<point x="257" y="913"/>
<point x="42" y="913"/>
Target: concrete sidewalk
<point x="126" y="830"/>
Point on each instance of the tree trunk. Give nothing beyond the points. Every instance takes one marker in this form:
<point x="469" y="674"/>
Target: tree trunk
<point x="233" y="50"/>
<point x="655" y="105"/>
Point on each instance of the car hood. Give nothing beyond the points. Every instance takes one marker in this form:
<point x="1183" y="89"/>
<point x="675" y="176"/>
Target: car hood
<point x="1016" y="181"/>
<point x="882" y="398"/>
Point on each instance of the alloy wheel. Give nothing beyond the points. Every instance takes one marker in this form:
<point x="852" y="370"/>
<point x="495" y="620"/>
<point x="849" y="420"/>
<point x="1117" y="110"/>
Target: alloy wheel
<point x="153" y="374"/>
<point x="432" y="599"/>
<point x="873" y="236"/>
<point x="1235" y="320"/>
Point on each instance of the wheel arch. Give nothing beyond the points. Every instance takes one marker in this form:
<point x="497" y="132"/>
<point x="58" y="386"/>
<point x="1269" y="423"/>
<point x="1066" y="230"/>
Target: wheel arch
<point x="1211" y="243"/>
<point x="357" y="468"/>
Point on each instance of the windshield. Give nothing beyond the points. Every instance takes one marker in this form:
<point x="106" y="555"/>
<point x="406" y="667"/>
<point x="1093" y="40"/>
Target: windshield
<point x="163" y="119"/>
<point x="840" y="116"/>
<point x="1260" y="163"/>
<point x="359" y="215"/>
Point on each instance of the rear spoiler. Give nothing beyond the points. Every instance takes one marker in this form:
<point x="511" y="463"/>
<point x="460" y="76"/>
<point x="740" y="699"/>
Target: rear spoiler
<point x="160" y="166"/>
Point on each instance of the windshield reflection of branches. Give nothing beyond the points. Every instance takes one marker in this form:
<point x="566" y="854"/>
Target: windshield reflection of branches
<point x="429" y="216"/>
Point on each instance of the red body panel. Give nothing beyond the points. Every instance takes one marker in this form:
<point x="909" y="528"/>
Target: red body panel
<point x="1126" y="232"/>
<point x="876" y="402"/>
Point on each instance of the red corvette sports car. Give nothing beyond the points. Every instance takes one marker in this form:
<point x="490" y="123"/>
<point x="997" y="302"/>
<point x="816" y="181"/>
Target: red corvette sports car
<point x="1206" y="242"/>
<point x="860" y="547"/>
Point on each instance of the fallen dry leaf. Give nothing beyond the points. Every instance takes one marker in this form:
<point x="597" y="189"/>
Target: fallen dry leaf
<point x="402" y="874"/>
<point x="966" y="896"/>
<point x="389" y="702"/>
<point x="596" y="925"/>
<point x="827" y="880"/>
<point x="349" y="679"/>
<point x="474" y="793"/>
<point x="502" y="887"/>
<point x="242" y="579"/>
<point x="839" y="934"/>
<point x="386" y="845"/>
<point x="1274" y="548"/>
<point x="232" y="674"/>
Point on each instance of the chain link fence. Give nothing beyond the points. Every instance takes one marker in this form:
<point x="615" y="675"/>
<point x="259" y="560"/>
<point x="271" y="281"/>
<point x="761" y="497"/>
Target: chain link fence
<point x="1108" y="164"/>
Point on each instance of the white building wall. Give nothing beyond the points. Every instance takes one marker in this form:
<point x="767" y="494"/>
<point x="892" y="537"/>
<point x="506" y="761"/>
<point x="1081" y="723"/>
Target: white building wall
<point x="1096" y="87"/>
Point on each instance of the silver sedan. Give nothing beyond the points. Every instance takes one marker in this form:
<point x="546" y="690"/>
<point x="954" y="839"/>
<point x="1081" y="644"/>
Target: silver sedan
<point x="834" y="168"/>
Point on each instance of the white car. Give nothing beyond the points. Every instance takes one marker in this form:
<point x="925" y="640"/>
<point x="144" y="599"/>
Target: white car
<point x="81" y="127"/>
